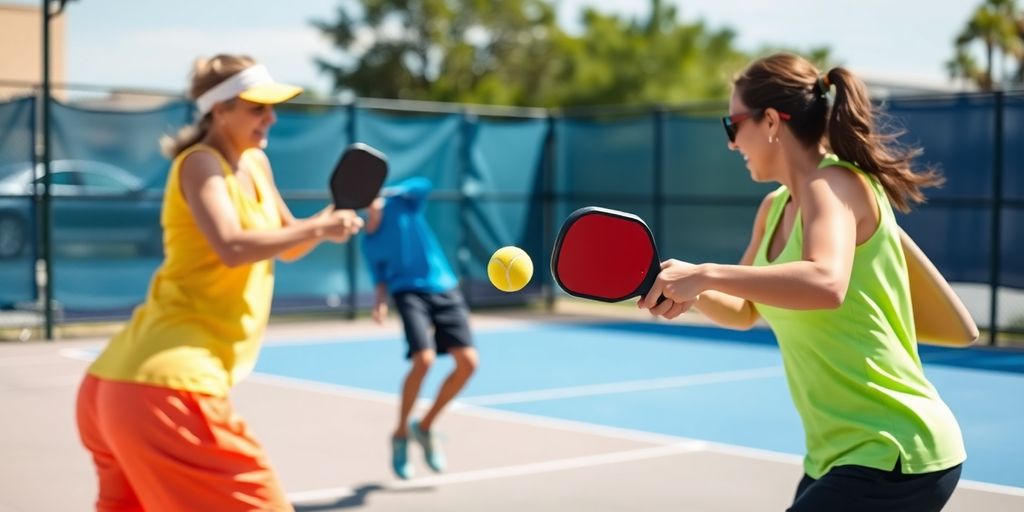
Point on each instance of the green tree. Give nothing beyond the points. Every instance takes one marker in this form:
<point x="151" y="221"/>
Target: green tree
<point x="513" y="52"/>
<point x="1019" y="77"/>
<point x="964" y="66"/>
<point x="657" y="60"/>
<point x="484" y="51"/>
<point x="996" y="25"/>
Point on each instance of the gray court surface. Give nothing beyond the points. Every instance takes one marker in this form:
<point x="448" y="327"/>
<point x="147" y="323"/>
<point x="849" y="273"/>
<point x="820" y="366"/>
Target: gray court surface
<point x="330" y="446"/>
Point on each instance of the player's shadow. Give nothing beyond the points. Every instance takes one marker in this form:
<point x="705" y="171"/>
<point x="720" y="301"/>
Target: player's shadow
<point x="357" y="498"/>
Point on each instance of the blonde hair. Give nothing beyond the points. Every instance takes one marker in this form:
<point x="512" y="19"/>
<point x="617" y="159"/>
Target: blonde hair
<point x="206" y="74"/>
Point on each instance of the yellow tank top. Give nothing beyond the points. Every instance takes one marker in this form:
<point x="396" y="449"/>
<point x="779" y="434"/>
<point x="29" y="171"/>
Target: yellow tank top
<point x="202" y="322"/>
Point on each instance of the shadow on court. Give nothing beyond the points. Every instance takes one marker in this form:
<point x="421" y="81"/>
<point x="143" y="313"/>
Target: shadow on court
<point x="357" y="499"/>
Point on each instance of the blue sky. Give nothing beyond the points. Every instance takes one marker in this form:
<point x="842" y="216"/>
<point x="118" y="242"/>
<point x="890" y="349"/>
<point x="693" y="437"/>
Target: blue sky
<point x="151" y="44"/>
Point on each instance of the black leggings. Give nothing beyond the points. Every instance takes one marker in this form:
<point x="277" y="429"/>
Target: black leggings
<point x="857" y="488"/>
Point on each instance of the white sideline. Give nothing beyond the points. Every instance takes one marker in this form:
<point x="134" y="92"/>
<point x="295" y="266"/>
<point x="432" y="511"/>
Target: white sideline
<point x="507" y="471"/>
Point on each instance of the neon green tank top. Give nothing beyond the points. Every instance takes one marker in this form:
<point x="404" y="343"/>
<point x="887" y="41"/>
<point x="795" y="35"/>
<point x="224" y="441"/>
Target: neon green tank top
<point x="201" y="325"/>
<point x="854" y="372"/>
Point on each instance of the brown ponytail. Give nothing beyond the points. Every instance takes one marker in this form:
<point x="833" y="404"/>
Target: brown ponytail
<point x="791" y="84"/>
<point x="853" y="136"/>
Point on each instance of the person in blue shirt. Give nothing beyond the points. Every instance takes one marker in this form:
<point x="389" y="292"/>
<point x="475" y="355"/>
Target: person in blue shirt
<point x="407" y="262"/>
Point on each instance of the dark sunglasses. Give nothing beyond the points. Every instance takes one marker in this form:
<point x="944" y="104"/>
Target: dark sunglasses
<point x="732" y="123"/>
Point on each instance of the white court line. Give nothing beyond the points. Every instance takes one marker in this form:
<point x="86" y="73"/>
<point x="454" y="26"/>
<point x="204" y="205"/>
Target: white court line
<point x="279" y="340"/>
<point x="590" y="428"/>
<point x="77" y="353"/>
<point x="31" y="360"/>
<point x="49" y="382"/>
<point x="471" y="410"/>
<point x="470" y="406"/>
<point x="1008" y="490"/>
<point x="387" y="334"/>
<point x="509" y="471"/>
<point x="324" y="387"/>
<point x="625" y="386"/>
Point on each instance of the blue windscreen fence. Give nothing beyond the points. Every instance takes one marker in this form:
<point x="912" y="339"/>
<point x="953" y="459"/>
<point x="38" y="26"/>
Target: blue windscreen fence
<point x="710" y="199"/>
<point x="498" y="180"/>
<point x="107" y="185"/>
<point x="18" y="212"/>
<point x="1011" y="204"/>
<point x="959" y="137"/>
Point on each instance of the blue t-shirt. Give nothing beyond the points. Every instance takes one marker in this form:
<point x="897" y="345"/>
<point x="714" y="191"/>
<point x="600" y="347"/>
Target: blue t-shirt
<point x="403" y="252"/>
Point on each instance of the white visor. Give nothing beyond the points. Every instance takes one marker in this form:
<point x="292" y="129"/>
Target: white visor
<point x="253" y="84"/>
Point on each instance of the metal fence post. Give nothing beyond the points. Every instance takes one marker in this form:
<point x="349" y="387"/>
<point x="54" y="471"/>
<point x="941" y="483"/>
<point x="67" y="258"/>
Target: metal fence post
<point x="350" y="247"/>
<point x="548" y="170"/>
<point x="44" y="219"/>
<point x="462" y="252"/>
<point x="659" y="171"/>
<point x="995" y="256"/>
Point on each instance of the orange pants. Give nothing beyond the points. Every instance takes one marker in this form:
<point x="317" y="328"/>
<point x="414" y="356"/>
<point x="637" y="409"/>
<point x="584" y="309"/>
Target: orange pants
<point x="159" y="449"/>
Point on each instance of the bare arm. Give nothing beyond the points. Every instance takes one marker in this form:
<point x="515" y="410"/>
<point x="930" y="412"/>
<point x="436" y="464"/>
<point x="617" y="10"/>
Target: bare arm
<point x="287" y="218"/>
<point x="818" y="281"/>
<point x="729" y="310"/>
<point x="206" y="193"/>
<point x="302" y="248"/>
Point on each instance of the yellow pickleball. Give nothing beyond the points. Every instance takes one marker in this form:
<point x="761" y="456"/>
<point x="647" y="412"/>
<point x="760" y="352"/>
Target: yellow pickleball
<point x="510" y="269"/>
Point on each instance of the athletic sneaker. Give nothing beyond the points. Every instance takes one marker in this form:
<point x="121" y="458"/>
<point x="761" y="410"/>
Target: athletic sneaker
<point x="431" y="447"/>
<point x="400" y="458"/>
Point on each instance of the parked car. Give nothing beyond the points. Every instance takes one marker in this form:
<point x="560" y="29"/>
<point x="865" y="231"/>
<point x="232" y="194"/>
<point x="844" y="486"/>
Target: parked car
<point x="94" y="204"/>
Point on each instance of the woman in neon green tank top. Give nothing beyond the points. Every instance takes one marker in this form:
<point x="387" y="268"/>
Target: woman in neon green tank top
<point x="825" y="269"/>
<point x="153" y="409"/>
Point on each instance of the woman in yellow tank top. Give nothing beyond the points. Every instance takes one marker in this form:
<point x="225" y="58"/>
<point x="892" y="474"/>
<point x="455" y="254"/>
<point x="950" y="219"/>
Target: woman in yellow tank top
<point x="154" y="409"/>
<point x="826" y="270"/>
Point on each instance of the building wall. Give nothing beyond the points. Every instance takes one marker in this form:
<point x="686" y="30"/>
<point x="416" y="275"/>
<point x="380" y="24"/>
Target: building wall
<point x="21" y="47"/>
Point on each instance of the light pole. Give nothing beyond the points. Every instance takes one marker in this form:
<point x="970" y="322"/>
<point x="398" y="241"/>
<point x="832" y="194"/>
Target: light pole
<point x="44" y="219"/>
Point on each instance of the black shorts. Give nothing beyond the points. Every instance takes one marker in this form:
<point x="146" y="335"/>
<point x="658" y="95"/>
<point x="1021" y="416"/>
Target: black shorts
<point x="857" y="488"/>
<point x="446" y="312"/>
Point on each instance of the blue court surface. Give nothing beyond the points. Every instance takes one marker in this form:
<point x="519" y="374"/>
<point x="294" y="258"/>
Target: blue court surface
<point x="686" y="381"/>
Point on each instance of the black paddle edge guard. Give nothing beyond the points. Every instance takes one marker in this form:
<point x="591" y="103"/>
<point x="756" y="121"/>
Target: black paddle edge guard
<point x="652" y="271"/>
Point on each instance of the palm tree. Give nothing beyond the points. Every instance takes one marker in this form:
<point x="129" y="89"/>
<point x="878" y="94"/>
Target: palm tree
<point x="995" y="24"/>
<point x="963" y="67"/>
<point x="1019" y="78"/>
